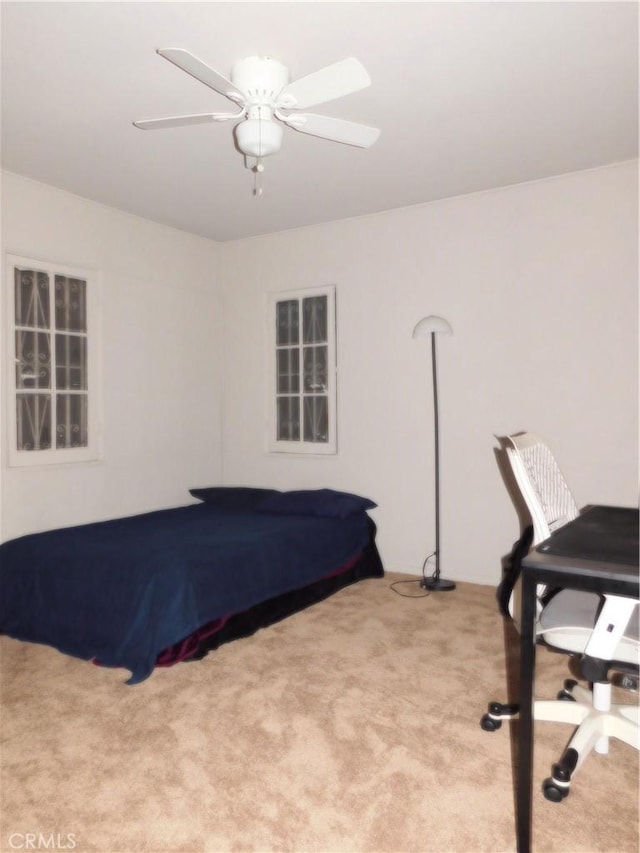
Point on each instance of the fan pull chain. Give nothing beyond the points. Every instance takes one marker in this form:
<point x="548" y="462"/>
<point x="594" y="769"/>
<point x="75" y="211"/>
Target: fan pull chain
<point x="258" y="169"/>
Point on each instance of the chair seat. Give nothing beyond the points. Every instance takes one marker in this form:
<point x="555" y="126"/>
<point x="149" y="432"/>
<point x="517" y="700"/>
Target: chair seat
<point x="567" y="623"/>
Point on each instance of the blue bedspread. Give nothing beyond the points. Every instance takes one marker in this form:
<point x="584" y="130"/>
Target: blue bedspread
<point x="122" y="591"/>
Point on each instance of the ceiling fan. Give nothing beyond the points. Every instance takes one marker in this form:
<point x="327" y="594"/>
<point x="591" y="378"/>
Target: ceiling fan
<point x="267" y="100"/>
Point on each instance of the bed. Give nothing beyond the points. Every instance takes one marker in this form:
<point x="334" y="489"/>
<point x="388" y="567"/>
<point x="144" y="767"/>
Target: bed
<point x="174" y="584"/>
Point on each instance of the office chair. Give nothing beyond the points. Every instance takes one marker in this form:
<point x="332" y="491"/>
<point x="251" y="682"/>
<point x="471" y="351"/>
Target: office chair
<point x="602" y="630"/>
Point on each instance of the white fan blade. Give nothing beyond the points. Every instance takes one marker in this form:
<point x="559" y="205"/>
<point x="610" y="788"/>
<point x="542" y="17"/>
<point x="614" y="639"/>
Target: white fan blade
<point x="194" y="66"/>
<point x="335" y="129"/>
<point x="184" y="121"/>
<point x="324" y="85"/>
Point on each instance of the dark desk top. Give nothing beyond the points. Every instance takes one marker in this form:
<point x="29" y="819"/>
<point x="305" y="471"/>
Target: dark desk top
<point x="602" y="541"/>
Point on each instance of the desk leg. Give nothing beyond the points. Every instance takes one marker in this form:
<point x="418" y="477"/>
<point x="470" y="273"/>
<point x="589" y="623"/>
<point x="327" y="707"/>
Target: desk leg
<point x="527" y="692"/>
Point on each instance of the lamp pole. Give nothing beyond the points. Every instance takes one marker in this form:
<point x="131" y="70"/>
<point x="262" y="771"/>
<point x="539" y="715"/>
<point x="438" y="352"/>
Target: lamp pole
<point x="433" y="325"/>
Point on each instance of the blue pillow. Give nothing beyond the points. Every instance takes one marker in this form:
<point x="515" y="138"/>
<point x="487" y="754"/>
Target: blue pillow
<point x="326" y="503"/>
<point x="232" y="497"/>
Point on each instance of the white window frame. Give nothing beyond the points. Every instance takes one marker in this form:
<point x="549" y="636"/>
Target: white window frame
<point x="93" y="451"/>
<point x="301" y="446"/>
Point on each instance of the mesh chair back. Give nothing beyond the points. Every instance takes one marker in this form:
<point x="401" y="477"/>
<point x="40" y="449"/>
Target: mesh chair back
<point x="543" y="487"/>
<point x="550" y="504"/>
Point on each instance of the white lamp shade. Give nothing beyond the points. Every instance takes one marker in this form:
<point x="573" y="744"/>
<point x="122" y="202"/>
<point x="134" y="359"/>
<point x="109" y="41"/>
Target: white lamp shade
<point x="431" y="324"/>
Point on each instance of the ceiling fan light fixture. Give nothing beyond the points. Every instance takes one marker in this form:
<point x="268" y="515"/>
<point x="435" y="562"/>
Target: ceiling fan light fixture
<point x="258" y="138"/>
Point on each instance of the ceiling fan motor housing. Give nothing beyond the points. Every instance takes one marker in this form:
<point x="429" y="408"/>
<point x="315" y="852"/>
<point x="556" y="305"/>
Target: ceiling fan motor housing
<point x="260" y="78"/>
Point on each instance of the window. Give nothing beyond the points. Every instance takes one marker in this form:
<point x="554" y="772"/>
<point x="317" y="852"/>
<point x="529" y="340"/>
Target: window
<point x="302" y="354"/>
<point x="53" y="383"/>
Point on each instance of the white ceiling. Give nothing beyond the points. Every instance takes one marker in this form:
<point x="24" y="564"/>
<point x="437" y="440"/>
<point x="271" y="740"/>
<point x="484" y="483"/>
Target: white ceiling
<point x="468" y="96"/>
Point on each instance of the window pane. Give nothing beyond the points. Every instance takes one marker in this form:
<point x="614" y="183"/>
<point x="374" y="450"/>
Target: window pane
<point x="287" y="322"/>
<point x="71" y="362"/>
<point x="288" y="413"/>
<point x="314" y="317"/>
<point x="33" y="414"/>
<point x="315" y="370"/>
<point x="33" y="360"/>
<point x="71" y="420"/>
<point x="32" y="298"/>
<point x="288" y="371"/>
<point x="316" y="419"/>
<point x="71" y="304"/>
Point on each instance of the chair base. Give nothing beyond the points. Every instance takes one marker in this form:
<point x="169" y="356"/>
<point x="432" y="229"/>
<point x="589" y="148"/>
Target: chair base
<point x="595" y="717"/>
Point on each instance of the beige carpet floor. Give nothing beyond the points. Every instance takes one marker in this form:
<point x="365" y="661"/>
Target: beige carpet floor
<point x="352" y="726"/>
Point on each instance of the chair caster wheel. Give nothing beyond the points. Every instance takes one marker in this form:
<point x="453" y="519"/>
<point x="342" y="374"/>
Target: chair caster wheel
<point x="566" y="694"/>
<point x="496" y="714"/>
<point x="553" y="792"/>
<point x="489" y="724"/>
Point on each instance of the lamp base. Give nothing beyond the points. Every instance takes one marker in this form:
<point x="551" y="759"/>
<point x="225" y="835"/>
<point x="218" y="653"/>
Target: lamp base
<point x="437" y="584"/>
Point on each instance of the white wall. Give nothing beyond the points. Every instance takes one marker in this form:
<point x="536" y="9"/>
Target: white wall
<point x="161" y="330"/>
<point x="540" y="284"/>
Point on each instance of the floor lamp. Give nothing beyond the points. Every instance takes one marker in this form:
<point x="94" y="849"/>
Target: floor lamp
<point x="433" y="326"/>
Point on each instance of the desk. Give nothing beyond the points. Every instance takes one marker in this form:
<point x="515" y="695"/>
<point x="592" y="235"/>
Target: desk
<point x="597" y="551"/>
